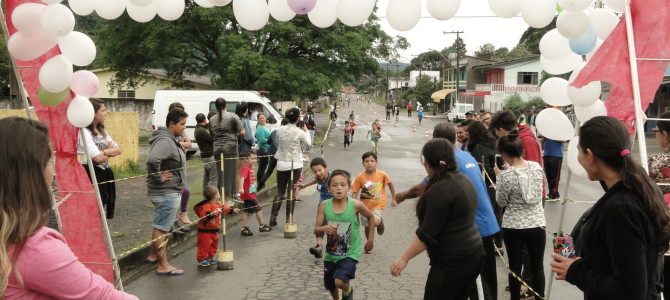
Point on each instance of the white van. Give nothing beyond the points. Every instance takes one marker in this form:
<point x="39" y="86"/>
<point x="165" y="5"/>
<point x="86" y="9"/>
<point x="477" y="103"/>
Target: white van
<point x="202" y="101"/>
<point x="457" y="112"/>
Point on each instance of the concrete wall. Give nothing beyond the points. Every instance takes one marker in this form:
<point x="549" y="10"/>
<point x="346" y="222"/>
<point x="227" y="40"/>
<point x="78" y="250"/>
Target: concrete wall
<point x="147" y="91"/>
<point x="142" y="107"/>
<point x="511" y="78"/>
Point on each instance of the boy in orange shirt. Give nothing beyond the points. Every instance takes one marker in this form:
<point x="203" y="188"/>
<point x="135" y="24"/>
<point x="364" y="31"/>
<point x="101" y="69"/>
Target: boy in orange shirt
<point x="209" y="227"/>
<point x="371" y="184"/>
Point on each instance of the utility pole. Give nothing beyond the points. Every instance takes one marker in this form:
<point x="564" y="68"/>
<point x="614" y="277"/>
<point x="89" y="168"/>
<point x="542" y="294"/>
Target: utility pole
<point x="387" y="82"/>
<point x="458" y="65"/>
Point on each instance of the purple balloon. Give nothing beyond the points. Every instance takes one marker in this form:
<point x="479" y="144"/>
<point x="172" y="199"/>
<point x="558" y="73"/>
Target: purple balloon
<point x="301" y="7"/>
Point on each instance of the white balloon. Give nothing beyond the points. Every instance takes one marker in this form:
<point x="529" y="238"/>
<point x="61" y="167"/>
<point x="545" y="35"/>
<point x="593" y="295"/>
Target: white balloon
<point x="142" y="14"/>
<point x="572" y="25"/>
<point x="554" y="46"/>
<point x="78" y="48"/>
<point x="618" y="5"/>
<point x="220" y="2"/>
<point x="554" y="91"/>
<point x="599" y="43"/>
<point x="170" y="10"/>
<point x="110" y="9"/>
<point x="506" y="8"/>
<point x="576" y="71"/>
<point x="574" y="5"/>
<point x="354" y="12"/>
<point x="280" y="10"/>
<point x="586" y="95"/>
<point x="57" y="20"/>
<point x="573" y="162"/>
<point x="558" y="67"/>
<point x="80" y="112"/>
<point x="82" y="7"/>
<point x="554" y="124"/>
<point x="24" y="16"/>
<point x="56" y="74"/>
<point x="585" y="113"/>
<point x="443" y="9"/>
<point x="324" y="14"/>
<point x="204" y="3"/>
<point x="30" y="45"/>
<point x="603" y="22"/>
<point x="52" y="1"/>
<point x="538" y="13"/>
<point x="140" y="2"/>
<point x="251" y="14"/>
<point x="403" y="15"/>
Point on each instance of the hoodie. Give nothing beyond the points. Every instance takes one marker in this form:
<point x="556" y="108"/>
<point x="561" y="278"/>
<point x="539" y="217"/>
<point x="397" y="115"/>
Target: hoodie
<point x="210" y="223"/>
<point x="165" y="154"/>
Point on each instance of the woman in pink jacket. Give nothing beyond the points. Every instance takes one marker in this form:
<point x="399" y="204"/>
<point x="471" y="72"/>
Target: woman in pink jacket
<point x="35" y="261"/>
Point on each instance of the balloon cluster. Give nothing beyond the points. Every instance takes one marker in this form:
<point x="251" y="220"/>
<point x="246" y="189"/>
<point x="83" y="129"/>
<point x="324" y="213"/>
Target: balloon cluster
<point x="139" y="10"/>
<point x="580" y="30"/>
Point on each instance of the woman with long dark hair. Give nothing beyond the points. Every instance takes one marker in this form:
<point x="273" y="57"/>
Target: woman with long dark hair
<point x="623" y="236"/>
<point x="225" y="128"/>
<point x="447" y="230"/>
<point x="289" y="160"/>
<point x="481" y="144"/>
<point x="35" y="261"/>
<point x="519" y="191"/>
<point x="101" y="147"/>
<point x="245" y="142"/>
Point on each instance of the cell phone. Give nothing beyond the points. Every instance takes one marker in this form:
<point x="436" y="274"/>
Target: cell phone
<point x="499" y="161"/>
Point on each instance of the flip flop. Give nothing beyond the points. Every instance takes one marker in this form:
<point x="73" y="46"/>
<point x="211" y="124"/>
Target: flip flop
<point x="150" y="262"/>
<point x="170" y="273"/>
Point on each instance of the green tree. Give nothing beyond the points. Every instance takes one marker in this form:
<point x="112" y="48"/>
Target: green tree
<point x="487" y="50"/>
<point x="520" y="51"/>
<point x="293" y="59"/>
<point x="532" y="36"/>
<point x="427" y="61"/>
<point x="459" y="45"/>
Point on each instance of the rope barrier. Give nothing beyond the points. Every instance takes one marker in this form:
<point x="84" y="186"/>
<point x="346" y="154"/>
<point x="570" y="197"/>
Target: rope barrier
<point x="524" y="283"/>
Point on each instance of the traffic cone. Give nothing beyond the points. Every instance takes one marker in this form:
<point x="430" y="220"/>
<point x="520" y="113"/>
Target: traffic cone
<point x="414" y="128"/>
<point x="425" y="136"/>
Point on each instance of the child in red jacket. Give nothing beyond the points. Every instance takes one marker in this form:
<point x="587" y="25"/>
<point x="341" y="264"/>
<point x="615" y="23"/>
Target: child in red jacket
<point x="209" y="210"/>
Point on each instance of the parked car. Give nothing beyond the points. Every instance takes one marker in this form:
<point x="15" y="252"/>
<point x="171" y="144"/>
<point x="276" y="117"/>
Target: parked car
<point x="457" y="112"/>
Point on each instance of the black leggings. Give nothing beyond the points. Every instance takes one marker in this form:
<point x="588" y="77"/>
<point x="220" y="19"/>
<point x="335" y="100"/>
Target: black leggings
<point x="283" y="178"/>
<point x="535" y="240"/>
<point x="456" y="282"/>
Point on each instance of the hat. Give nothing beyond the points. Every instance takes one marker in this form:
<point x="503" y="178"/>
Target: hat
<point x="469" y="113"/>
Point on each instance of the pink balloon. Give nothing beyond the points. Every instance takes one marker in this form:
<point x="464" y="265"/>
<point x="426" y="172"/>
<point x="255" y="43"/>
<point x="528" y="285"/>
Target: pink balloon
<point x="301" y="7"/>
<point x="84" y="83"/>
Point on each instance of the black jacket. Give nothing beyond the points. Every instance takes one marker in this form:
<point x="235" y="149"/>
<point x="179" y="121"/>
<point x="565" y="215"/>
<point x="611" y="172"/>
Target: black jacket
<point x="618" y="250"/>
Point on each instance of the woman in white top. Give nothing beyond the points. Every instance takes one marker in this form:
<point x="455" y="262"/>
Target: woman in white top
<point x="289" y="159"/>
<point x="519" y="192"/>
<point x="101" y="147"/>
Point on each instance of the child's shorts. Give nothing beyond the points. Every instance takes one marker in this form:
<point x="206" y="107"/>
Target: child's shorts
<point x="251" y="206"/>
<point x="364" y="221"/>
<point x="344" y="269"/>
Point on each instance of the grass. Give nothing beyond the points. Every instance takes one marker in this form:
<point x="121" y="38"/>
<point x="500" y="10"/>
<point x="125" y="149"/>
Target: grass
<point x="130" y="169"/>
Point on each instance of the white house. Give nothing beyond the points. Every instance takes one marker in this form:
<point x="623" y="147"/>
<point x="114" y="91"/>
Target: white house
<point x="504" y="79"/>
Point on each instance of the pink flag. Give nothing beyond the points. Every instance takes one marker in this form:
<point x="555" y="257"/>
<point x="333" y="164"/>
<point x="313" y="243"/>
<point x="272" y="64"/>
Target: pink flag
<point x="651" y="26"/>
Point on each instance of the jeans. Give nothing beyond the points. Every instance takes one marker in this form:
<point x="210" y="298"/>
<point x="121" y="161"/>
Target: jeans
<point x="209" y="178"/>
<point x="165" y="208"/>
<point x="283" y="178"/>
<point x="535" y="240"/>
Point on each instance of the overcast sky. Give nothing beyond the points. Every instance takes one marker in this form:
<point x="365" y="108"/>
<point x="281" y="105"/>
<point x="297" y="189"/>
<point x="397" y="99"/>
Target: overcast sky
<point x="428" y="33"/>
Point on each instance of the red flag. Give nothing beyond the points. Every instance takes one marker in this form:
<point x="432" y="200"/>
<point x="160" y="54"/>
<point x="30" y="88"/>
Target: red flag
<point x="611" y="63"/>
<point x="80" y="216"/>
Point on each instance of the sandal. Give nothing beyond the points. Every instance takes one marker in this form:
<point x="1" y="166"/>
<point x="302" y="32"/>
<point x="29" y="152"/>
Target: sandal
<point x="172" y="272"/>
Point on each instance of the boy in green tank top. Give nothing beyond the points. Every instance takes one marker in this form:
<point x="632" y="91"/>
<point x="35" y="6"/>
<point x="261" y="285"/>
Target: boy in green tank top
<point x="337" y="219"/>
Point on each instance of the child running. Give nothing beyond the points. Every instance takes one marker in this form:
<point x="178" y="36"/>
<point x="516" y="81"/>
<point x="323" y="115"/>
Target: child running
<point x="322" y="180"/>
<point x="343" y="246"/>
<point x="371" y="184"/>
<point x="353" y="125"/>
<point x="209" y="227"/>
<point x="374" y="134"/>
<point x="347" y="134"/>
<point x="247" y="188"/>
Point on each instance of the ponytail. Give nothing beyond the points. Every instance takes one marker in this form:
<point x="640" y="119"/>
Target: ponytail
<point x="220" y="104"/>
<point x="510" y="145"/>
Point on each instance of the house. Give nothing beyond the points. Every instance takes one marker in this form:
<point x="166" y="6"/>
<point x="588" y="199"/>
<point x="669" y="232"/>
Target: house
<point x="462" y="77"/>
<point x="499" y="80"/>
<point x="141" y="99"/>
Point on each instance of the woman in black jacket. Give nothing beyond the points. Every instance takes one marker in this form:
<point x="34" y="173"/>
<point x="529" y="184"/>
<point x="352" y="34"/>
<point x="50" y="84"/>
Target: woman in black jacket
<point x="622" y="238"/>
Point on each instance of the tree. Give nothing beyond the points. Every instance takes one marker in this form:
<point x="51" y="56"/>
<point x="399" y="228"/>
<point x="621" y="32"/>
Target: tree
<point x="520" y="51"/>
<point x="459" y="46"/>
<point x="532" y="36"/>
<point x="292" y="59"/>
<point x="427" y="61"/>
<point x="486" y="51"/>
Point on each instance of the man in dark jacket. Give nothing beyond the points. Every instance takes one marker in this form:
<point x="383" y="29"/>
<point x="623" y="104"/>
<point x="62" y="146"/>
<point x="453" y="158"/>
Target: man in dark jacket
<point x="206" y="145"/>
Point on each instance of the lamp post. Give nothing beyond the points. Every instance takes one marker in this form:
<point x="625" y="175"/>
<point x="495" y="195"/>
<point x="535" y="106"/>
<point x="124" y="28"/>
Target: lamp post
<point x="458" y="37"/>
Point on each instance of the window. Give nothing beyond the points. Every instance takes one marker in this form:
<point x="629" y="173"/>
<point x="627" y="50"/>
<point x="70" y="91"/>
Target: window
<point x="526" y="78"/>
<point x="126" y="94"/>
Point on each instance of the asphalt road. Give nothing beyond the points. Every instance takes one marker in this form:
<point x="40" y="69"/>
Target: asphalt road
<point x="267" y="266"/>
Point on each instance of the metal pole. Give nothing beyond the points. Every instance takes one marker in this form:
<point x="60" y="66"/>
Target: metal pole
<point x="639" y="114"/>
<point x="387" y="82"/>
<point x="223" y="201"/>
<point x="101" y="209"/>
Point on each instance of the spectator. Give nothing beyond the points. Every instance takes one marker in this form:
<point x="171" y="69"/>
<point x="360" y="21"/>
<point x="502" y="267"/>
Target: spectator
<point x="311" y="125"/>
<point x="519" y="192"/>
<point x="462" y="134"/>
<point x="101" y="147"/>
<point x="272" y="150"/>
<point x="246" y="141"/>
<point x="35" y="261"/>
<point x="553" y="160"/>
<point x="206" y="145"/>
<point x="522" y="118"/>
<point x="225" y="128"/>
<point x="164" y="187"/>
<point x="262" y="137"/>
<point x="531" y="121"/>
<point x="631" y="210"/>
<point x="504" y="121"/>
<point x="469" y="115"/>
<point x="289" y="160"/>
<point x="182" y="215"/>
<point x="486" y="119"/>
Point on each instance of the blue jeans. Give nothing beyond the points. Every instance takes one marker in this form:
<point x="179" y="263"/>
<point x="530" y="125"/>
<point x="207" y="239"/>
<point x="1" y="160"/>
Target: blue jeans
<point x="165" y="209"/>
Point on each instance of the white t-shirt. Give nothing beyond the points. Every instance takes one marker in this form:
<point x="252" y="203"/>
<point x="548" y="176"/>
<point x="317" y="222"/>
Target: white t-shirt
<point x="95" y="146"/>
